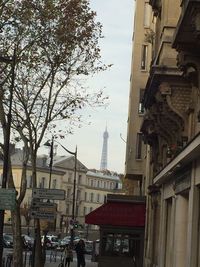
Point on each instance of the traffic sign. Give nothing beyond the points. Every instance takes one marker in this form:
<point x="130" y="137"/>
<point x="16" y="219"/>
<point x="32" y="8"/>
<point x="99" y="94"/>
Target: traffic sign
<point x="40" y="204"/>
<point x="44" y="193"/>
<point x="7" y="199"/>
<point x="44" y="215"/>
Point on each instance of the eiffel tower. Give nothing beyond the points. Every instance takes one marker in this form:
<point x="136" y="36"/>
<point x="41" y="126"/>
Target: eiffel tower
<point x="103" y="165"/>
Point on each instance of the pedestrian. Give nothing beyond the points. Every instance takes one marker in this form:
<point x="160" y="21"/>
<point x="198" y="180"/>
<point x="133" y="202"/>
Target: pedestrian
<point x="80" y="252"/>
<point x="68" y="255"/>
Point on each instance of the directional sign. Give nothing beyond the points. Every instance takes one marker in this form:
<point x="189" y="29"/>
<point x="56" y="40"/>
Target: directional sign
<point x="44" y="193"/>
<point x="7" y="199"/>
<point x="40" y="204"/>
<point x="49" y="216"/>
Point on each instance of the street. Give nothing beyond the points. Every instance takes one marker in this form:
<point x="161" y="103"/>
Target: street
<point x="52" y="259"/>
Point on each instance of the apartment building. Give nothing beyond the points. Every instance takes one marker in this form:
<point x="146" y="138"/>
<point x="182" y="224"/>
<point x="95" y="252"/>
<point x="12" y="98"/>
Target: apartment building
<point x="171" y="133"/>
<point x="141" y="58"/>
<point x="92" y="188"/>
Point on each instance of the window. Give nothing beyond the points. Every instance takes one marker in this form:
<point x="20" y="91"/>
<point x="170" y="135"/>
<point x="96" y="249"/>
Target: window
<point x="92" y="197"/>
<point x="147" y="14"/>
<point x="78" y="195"/>
<point x="79" y="179"/>
<point x="54" y="184"/>
<point x="84" y="211"/>
<point x="98" y="184"/>
<point x="68" y="192"/>
<point x="141" y="106"/>
<point x="114" y="244"/>
<point x="85" y="196"/>
<point x="29" y="181"/>
<point x="144" y="57"/>
<point x="42" y="182"/>
<point x="98" y="197"/>
<point x="70" y="177"/>
<point x="91" y="182"/>
<point x="67" y="209"/>
<point x="139" y="146"/>
<point x="91" y="209"/>
<point x="1" y="178"/>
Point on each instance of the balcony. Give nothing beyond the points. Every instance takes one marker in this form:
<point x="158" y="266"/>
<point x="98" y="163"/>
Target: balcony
<point x="156" y="6"/>
<point x="187" y="34"/>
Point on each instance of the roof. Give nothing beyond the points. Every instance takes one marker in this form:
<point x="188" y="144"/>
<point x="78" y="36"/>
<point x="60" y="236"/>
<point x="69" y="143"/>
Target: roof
<point x="99" y="174"/>
<point x="118" y="214"/>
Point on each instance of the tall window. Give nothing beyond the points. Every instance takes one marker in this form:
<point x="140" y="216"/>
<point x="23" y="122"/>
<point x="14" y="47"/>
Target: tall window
<point x="70" y="177"/>
<point x="139" y="146"/>
<point x="54" y="184"/>
<point x="42" y="182"/>
<point x="92" y="197"/>
<point x="147" y="14"/>
<point x="29" y="181"/>
<point x="91" y="182"/>
<point x="98" y="197"/>
<point x="1" y="178"/>
<point x="85" y="196"/>
<point x="79" y="179"/>
<point x="144" y="57"/>
<point x="84" y="211"/>
<point x="141" y="106"/>
<point x="68" y="192"/>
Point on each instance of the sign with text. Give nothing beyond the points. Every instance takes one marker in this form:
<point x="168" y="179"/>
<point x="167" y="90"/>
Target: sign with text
<point x="39" y="204"/>
<point x="7" y="199"/>
<point x="44" y="193"/>
<point x="44" y="215"/>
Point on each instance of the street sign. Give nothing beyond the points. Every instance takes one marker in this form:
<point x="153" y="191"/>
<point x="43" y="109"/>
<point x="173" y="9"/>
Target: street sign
<point x="40" y="204"/>
<point x="44" y="215"/>
<point x="7" y="199"/>
<point x="44" y="193"/>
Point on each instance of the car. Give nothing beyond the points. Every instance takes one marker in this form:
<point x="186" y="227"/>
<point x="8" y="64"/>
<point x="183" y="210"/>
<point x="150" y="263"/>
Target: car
<point x="52" y="241"/>
<point x="27" y="242"/>
<point x="66" y="240"/>
<point x="7" y="241"/>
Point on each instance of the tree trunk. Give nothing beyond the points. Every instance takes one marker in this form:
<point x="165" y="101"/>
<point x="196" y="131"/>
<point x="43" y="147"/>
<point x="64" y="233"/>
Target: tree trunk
<point x="17" y="239"/>
<point x="37" y="252"/>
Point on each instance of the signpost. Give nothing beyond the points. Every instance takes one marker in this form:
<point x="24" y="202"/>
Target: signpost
<point x="44" y="215"/>
<point x="52" y="194"/>
<point x="39" y="204"/>
<point x="7" y="198"/>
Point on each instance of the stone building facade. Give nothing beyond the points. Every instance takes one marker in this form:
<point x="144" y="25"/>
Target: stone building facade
<point x="171" y="133"/>
<point x="141" y="58"/>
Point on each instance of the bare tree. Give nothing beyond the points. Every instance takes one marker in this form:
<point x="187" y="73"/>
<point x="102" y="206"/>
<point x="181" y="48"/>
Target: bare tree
<point x="56" y="45"/>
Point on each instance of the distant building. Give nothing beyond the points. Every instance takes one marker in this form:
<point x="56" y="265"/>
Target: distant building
<point x="92" y="188"/>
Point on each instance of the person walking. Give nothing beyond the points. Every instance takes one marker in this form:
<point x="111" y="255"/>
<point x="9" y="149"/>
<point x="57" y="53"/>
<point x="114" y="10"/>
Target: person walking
<point x="80" y="252"/>
<point x="68" y="255"/>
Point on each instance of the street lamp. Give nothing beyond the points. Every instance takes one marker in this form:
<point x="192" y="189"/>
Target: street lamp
<point x="74" y="182"/>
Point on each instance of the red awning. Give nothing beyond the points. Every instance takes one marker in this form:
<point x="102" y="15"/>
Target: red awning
<point x="118" y="214"/>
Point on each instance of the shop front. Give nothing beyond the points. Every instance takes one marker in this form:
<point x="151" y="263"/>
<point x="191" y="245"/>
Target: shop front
<point x="121" y="220"/>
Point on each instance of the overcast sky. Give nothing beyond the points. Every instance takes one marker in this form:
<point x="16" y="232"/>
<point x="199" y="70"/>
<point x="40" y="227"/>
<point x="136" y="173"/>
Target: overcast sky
<point x="116" y="17"/>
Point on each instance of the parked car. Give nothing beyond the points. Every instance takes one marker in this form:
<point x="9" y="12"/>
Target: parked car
<point x="7" y="241"/>
<point x="27" y="242"/>
<point x="66" y="240"/>
<point x="52" y="241"/>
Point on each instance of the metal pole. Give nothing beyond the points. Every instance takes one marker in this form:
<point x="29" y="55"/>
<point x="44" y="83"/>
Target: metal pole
<point x="74" y="195"/>
<point x="6" y="151"/>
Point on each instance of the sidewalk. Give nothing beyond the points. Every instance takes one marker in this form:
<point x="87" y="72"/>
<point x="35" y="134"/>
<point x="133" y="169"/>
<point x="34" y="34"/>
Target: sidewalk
<point x="73" y="264"/>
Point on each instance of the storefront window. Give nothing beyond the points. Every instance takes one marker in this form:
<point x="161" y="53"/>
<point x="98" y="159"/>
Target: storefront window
<point x="127" y="245"/>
